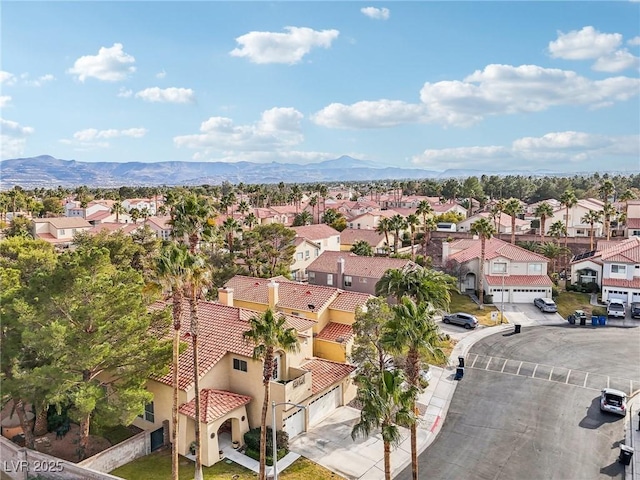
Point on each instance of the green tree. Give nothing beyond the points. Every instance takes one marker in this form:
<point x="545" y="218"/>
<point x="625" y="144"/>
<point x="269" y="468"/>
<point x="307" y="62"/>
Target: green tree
<point x="421" y="284"/>
<point x="274" y="249"/>
<point x="591" y="217"/>
<point x="543" y="211"/>
<point x="302" y="218"/>
<point x="118" y="209"/>
<point x="230" y="228"/>
<point x="513" y="207"/>
<point x="52" y="206"/>
<point x="397" y="223"/>
<point x="19" y="227"/>
<point x="384" y="227"/>
<point x="362" y="248"/>
<point x="569" y="200"/>
<point x="485" y="231"/>
<point x="414" y="333"/>
<point x="557" y="229"/>
<point x="608" y="211"/>
<point x="425" y="210"/>
<point x="553" y="251"/>
<point x="269" y="335"/>
<point x="412" y="221"/>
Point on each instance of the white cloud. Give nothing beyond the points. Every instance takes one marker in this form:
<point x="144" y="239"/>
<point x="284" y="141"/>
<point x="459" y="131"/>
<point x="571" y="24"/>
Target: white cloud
<point x="587" y="43"/>
<point x="7" y="78"/>
<point x="635" y="41"/>
<point x="13" y="138"/>
<point x="110" y="64"/>
<point x="496" y="90"/>
<point x="5" y="100"/>
<point x="290" y="47"/>
<point x="616" y="62"/>
<point x="167" y="95"/>
<point x="376" y="13"/>
<point x="93" y="138"/>
<point x="125" y="92"/>
<point x="540" y="152"/>
<point x="161" y="74"/>
<point x="278" y="128"/>
<point x="38" y="82"/>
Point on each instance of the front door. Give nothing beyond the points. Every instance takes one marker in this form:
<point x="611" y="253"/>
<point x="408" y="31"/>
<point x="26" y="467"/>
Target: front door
<point x="157" y="439"/>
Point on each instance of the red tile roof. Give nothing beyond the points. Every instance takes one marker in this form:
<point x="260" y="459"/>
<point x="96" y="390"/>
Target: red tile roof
<point x="617" y="282"/>
<point x="349" y="301"/>
<point x="99" y="215"/>
<point x="214" y="404"/>
<point x="494" y="248"/>
<point x="349" y="236"/>
<point x="633" y="222"/>
<point x="625" y="251"/>
<point x="370" y="267"/>
<point x="334" y="331"/>
<point x="520" y="280"/>
<point x="325" y="373"/>
<point x="65" y="222"/>
<point x="316" y="232"/>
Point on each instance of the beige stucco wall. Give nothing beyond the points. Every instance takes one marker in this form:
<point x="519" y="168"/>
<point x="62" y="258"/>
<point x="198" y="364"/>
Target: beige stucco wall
<point x="333" y="351"/>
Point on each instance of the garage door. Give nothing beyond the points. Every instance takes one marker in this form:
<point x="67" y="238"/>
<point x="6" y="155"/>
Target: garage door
<point x="618" y="295"/>
<point x="497" y="295"/>
<point x="324" y="405"/>
<point x="635" y="297"/>
<point x="294" y="424"/>
<point x="526" y="295"/>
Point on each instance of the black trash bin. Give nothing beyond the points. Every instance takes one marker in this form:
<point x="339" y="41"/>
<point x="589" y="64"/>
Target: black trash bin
<point x="461" y="362"/>
<point x="583" y="321"/>
<point x="572" y="319"/>
<point x="626" y="453"/>
<point x="459" y="373"/>
<point x="518" y="327"/>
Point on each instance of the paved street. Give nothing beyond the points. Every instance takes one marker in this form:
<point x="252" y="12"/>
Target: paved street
<point x="528" y="406"/>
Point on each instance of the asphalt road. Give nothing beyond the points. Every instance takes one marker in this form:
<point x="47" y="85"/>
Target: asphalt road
<point x="528" y="407"/>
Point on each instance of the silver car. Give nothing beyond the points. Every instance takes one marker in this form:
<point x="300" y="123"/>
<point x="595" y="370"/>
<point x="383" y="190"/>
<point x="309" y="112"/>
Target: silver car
<point x="546" y="305"/>
<point x="614" y="401"/>
<point x="464" y="319"/>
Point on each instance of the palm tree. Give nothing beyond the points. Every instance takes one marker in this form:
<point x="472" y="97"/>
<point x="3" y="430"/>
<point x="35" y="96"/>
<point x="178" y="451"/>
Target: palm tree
<point x="557" y="230"/>
<point x="426" y="211"/>
<point x="421" y="284"/>
<point x="384" y="227"/>
<point x="512" y="207"/>
<point x="134" y="213"/>
<point x="385" y="405"/>
<point x="606" y="189"/>
<point x="171" y="271"/>
<point x="145" y="213"/>
<point x="397" y="223"/>
<point x="243" y="207"/>
<point x="413" y="332"/>
<point x="251" y="220"/>
<point x="543" y="211"/>
<point x="412" y="221"/>
<point x="313" y="201"/>
<point x="118" y="209"/>
<point x="362" y="248"/>
<point x="485" y="231"/>
<point x="591" y="217"/>
<point x="552" y="251"/>
<point x="569" y="200"/>
<point x="230" y="227"/>
<point x="496" y="213"/>
<point x="627" y="195"/>
<point x="302" y="218"/>
<point x="269" y="334"/>
<point x="608" y="211"/>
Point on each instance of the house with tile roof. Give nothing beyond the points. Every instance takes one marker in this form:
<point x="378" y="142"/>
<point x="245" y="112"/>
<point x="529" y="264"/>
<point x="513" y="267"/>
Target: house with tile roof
<point x="160" y="226"/>
<point x="306" y="252"/>
<point x="632" y="209"/>
<point x="376" y="240"/>
<point x="351" y="272"/>
<point x="575" y="226"/>
<point x="501" y="223"/>
<point x="231" y="387"/>
<point x="59" y="230"/>
<point x="614" y="266"/>
<point x="327" y="237"/>
<point x="511" y="274"/>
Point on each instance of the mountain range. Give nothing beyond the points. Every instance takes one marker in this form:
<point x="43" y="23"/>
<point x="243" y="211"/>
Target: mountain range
<point x="49" y="172"/>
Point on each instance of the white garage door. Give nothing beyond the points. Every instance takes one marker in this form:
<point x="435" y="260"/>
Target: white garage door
<point x="324" y="405"/>
<point x="497" y="295"/>
<point x="294" y="424"/>
<point x="526" y="295"/>
<point x="618" y="295"/>
<point x="635" y="297"/>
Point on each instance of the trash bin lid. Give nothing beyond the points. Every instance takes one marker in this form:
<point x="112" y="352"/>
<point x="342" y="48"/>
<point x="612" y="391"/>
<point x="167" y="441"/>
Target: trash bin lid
<point x="626" y="448"/>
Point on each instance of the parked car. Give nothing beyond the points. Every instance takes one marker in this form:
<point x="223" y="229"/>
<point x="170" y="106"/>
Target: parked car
<point x="613" y="401"/>
<point x="546" y="305"/>
<point x="635" y="310"/>
<point x="616" y="309"/>
<point x="464" y="319"/>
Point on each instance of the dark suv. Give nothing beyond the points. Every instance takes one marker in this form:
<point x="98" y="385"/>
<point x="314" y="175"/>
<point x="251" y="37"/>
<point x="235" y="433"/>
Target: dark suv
<point x="635" y="310"/>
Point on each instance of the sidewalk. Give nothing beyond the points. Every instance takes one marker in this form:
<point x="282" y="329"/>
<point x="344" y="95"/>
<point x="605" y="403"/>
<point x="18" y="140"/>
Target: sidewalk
<point x="632" y="437"/>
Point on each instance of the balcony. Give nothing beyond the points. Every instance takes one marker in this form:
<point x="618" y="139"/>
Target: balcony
<point x="294" y="387"/>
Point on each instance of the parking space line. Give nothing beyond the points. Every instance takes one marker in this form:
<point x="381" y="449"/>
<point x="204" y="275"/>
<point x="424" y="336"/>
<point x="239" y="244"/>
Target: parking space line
<point x="503" y="365"/>
<point x="487" y="367"/>
<point x="631" y="388"/>
<point x="607" y="382"/>
<point x="584" y="385"/>
<point x="533" y="375"/>
<point x="550" y="373"/>
<point x="474" y="361"/>
<point x="568" y="375"/>
<point x="519" y="367"/>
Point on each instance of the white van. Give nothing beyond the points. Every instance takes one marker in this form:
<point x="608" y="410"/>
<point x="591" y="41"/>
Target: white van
<point x="445" y="227"/>
<point x="616" y="308"/>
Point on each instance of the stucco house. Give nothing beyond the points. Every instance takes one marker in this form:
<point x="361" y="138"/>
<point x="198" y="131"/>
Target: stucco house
<point x="501" y="223"/>
<point x="614" y="266"/>
<point x="231" y="389"/>
<point x="511" y="273"/>
<point x="59" y="230"/>
<point x="306" y="252"/>
<point x="376" y="240"/>
<point x="328" y="238"/>
<point x="351" y="272"/>
<point x="160" y="226"/>
<point x="575" y="226"/>
<point x="633" y="218"/>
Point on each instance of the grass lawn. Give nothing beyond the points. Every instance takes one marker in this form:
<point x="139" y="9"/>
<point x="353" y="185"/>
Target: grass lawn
<point x="568" y="302"/>
<point x="463" y="303"/>
<point x="157" y="466"/>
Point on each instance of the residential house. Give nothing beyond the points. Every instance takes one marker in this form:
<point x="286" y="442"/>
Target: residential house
<point x="160" y="226"/>
<point x="574" y="224"/>
<point x="327" y="237"/>
<point x="306" y="252"/>
<point x="59" y="230"/>
<point x="351" y="272"/>
<point x="230" y="381"/>
<point x="152" y="205"/>
<point x="633" y="218"/>
<point x="511" y="273"/>
<point x="614" y="266"/>
<point x="376" y="240"/>
<point x="502" y="223"/>
<point x="370" y="220"/>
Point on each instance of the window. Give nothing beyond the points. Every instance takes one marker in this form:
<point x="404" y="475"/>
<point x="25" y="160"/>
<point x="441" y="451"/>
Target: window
<point x="363" y="280"/>
<point x="347" y="280"/>
<point x="306" y="254"/>
<point x="317" y="252"/>
<point x="148" y="412"/>
<point x="275" y="374"/>
<point x="240" y="365"/>
<point x="499" y="267"/>
<point x="535" y="269"/>
<point x="621" y="269"/>
<point x="299" y="255"/>
<point x="61" y="231"/>
<point x="329" y="278"/>
<point x="312" y="275"/>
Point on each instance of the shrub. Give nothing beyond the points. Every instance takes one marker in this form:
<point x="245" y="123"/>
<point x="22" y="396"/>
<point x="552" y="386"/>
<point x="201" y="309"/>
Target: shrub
<point x="252" y="440"/>
<point x="555" y="291"/>
<point x="487" y="299"/>
<point x="600" y="311"/>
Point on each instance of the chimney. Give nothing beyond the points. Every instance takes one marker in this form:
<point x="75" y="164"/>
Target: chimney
<point x="445" y="251"/>
<point x="340" y="276"/>
<point x="273" y="294"/>
<point x="225" y="296"/>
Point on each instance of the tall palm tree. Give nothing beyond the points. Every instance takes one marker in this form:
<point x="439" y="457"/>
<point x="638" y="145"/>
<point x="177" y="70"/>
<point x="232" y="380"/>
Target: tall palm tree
<point x="426" y="211"/>
<point x="251" y="221"/>
<point x="606" y="189"/>
<point x="412" y="221"/>
<point x="557" y="230"/>
<point x="385" y="405"/>
<point x="414" y="332"/>
<point x="512" y="207"/>
<point x="134" y="213"/>
<point x="230" y="227"/>
<point x="608" y="211"/>
<point x="496" y="212"/>
<point x="397" y="223"/>
<point x="243" y="207"/>
<point x="485" y="231"/>
<point x="569" y="200"/>
<point x="591" y="217"/>
<point x="313" y="201"/>
<point x="627" y="195"/>
<point x="118" y="209"/>
<point x="552" y="251"/>
<point x="171" y="270"/>
<point x="543" y="211"/>
<point x="269" y="334"/>
<point x="421" y="284"/>
<point x="384" y="227"/>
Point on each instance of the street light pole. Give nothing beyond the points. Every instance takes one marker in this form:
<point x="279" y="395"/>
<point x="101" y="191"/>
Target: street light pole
<point x="273" y="434"/>
<point x="502" y="303"/>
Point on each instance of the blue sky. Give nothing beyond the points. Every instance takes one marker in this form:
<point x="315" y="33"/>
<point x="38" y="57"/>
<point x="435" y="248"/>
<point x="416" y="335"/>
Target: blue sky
<point x="434" y="85"/>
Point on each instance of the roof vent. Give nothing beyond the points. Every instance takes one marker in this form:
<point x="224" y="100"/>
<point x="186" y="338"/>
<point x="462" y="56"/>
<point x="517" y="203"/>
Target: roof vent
<point x="308" y="292"/>
<point x="311" y="306"/>
<point x="340" y="339"/>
